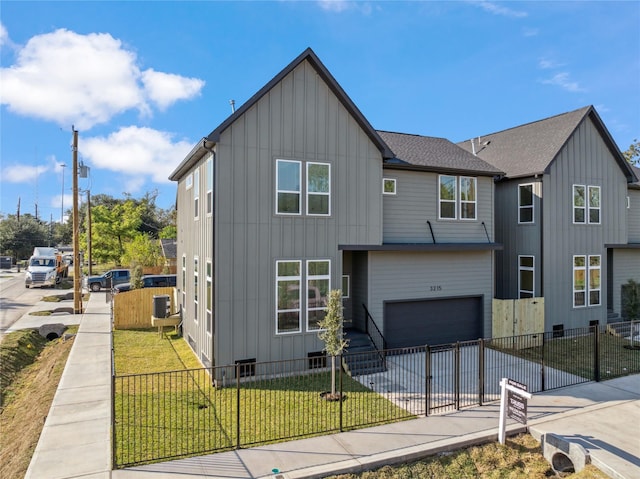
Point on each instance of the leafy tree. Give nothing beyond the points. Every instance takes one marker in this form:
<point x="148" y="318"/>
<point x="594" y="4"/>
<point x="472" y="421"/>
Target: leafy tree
<point x="136" y="276"/>
<point x="633" y="153"/>
<point x="169" y="232"/>
<point x="332" y="335"/>
<point x="18" y="237"/>
<point x="112" y="228"/>
<point x="142" y="250"/>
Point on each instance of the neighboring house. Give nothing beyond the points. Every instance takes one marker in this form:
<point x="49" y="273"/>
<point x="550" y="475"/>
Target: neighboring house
<point x="296" y="194"/>
<point x="169" y="249"/>
<point x="567" y="213"/>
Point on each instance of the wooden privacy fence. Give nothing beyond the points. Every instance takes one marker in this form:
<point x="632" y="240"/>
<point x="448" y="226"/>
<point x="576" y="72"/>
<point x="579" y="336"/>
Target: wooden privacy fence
<point x="518" y="317"/>
<point x="133" y="309"/>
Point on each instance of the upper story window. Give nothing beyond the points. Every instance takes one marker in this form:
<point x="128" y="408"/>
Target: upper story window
<point x="196" y="193"/>
<point x="388" y="186"/>
<point x="289" y="194"/>
<point x="318" y="189"/>
<point x="457" y="197"/>
<point x="210" y="186"/>
<point x="189" y="181"/>
<point x="586" y="204"/>
<point x="525" y="204"/>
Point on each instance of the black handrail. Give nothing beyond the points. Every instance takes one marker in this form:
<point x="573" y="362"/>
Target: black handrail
<point x="431" y="229"/>
<point x="380" y="337"/>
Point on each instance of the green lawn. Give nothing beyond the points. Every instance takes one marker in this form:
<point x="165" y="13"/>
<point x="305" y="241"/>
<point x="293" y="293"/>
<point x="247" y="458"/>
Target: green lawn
<point x="162" y="414"/>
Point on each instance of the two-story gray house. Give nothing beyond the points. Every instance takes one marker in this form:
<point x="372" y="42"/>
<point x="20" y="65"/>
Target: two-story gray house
<point x="567" y="213"/>
<point x="296" y="194"/>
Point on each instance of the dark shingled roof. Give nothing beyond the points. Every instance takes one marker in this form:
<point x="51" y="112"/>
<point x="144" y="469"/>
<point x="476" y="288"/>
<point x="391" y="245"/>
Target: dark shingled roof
<point x="433" y="154"/>
<point x="635" y="185"/>
<point x="530" y="149"/>
<point x="169" y="248"/>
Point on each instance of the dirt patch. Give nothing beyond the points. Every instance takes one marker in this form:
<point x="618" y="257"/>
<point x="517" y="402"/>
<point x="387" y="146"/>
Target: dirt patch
<point x="27" y="404"/>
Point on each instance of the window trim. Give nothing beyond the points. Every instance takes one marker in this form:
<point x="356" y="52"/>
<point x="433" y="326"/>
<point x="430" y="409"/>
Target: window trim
<point x="531" y="207"/>
<point x="392" y="181"/>
<point x="308" y="279"/>
<point x="189" y="181"/>
<point x="474" y="181"/>
<point x="300" y="299"/>
<point x="209" y="195"/>
<point x="196" y="284"/>
<point x="346" y="295"/>
<point x="591" y="289"/>
<point x="316" y="193"/>
<point x="209" y="297"/>
<point x="454" y="201"/>
<point x="522" y="269"/>
<point x="184" y="281"/>
<point x="196" y="194"/>
<point x="584" y="290"/>
<point x="278" y="190"/>
<point x="593" y="208"/>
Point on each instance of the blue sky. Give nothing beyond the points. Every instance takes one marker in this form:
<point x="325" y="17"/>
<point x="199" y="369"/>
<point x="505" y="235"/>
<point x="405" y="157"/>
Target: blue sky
<point x="142" y="81"/>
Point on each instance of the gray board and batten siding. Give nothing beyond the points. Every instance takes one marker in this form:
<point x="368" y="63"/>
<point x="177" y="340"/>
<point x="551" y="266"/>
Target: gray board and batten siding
<point x="300" y="118"/>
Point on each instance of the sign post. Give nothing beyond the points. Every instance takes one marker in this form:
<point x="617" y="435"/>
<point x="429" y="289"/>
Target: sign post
<point x="513" y="404"/>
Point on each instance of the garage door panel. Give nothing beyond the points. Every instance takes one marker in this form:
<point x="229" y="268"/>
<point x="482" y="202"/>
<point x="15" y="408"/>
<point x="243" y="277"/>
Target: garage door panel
<point x="436" y="321"/>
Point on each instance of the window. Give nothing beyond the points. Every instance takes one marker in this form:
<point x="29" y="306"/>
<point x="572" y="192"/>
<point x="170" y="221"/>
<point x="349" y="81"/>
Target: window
<point x="594" y="280"/>
<point x="457" y="197"/>
<point x="447" y="197"/>
<point x="346" y="286"/>
<point x="209" y="297"/>
<point x="388" y="186"/>
<point x="288" y="299"/>
<point x="195" y="289"/>
<point x="586" y="204"/>
<point x="288" y="183"/>
<point x="189" y="181"/>
<point x="318" y="189"/>
<point x="467" y="198"/>
<point x="210" y="186"/>
<point x="184" y="281"/>
<point x="586" y="287"/>
<point x="318" y="279"/>
<point x="594" y="205"/>
<point x="525" y="203"/>
<point x="526" y="277"/>
<point x="196" y="193"/>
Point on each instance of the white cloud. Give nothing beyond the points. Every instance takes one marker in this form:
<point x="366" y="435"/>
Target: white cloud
<point x="4" y="35"/>
<point x="136" y="152"/>
<point x="83" y="80"/>
<point x="546" y="64"/>
<point x="164" y="89"/>
<point x="562" y="80"/>
<point x="495" y="9"/>
<point x="334" y="5"/>
<point x="56" y="202"/>
<point x="23" y="173"/>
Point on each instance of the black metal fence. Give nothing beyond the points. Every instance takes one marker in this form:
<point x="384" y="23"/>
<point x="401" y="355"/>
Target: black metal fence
<point x="176" y="414"/>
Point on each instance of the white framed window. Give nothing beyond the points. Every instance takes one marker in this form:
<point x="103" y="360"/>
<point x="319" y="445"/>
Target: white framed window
<point x="579" y="281"/>
<point x="346" y="286"/>
<point x="195" y="289"/>
<point x="594" y="205"/>
<point x="526" y="276"/>
<point x="184" y="281"/>
<point x="288" y="187"/>
<point x="388" y="186"/>
<point x="288" y="300"/>
<point x="189" y="181"/>
<point x="209" y="170"/>
<point x="594" y="280"/>
<point x="209" y="297"/>
<point x="318" y="189"/>
<point x="468" y="195"/>
<point x="526" y="211"/>
<point x="196" y="193"/>
<point x="318" y="287"/>
<point x="579" y="204"/>
<point x="447" y="194"/>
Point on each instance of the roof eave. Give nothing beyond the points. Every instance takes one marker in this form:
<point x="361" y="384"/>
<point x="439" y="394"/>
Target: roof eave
<point x="441" y="169"/>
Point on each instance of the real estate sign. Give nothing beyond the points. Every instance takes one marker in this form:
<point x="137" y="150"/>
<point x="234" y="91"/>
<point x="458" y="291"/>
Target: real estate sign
<point x="513" y="404"/>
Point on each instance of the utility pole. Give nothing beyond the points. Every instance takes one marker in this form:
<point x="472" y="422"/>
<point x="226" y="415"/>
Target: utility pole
<point x="89" y="230"/>
<point x="77" y="267"/>
<point x="62" y="166"/>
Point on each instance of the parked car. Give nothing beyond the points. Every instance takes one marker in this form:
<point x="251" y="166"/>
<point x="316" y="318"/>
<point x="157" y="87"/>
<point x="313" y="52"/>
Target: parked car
<point x="108" y="280"/>
<point x="150" y="281"/>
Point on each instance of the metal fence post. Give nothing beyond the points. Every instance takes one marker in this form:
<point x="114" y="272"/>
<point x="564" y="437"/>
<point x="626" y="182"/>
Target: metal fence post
<point x="238" y="406"/>
<point x="542" y="375"/>
<point x="457" y="375"/>
<point x="480" y="371"/>
<point x="341" y="398"/>
<point x="596" y="354"/>
<point x="427" y="380"/>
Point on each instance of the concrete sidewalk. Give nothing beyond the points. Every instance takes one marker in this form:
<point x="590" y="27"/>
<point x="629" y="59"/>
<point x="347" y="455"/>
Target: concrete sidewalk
<point x="75" y="442"/>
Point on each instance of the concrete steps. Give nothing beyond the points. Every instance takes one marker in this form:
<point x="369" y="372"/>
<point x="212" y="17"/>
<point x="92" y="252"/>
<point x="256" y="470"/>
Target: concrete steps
<point x="361" y="357"/>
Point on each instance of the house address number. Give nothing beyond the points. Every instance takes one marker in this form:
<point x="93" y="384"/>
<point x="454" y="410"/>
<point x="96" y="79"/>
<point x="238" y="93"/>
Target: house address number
<point x="434" y="288"/>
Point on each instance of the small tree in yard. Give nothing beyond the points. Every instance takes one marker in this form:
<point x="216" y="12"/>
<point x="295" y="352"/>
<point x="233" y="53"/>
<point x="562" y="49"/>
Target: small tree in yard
<point x="136" y="276"/>
<point x="332" y="334"/>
